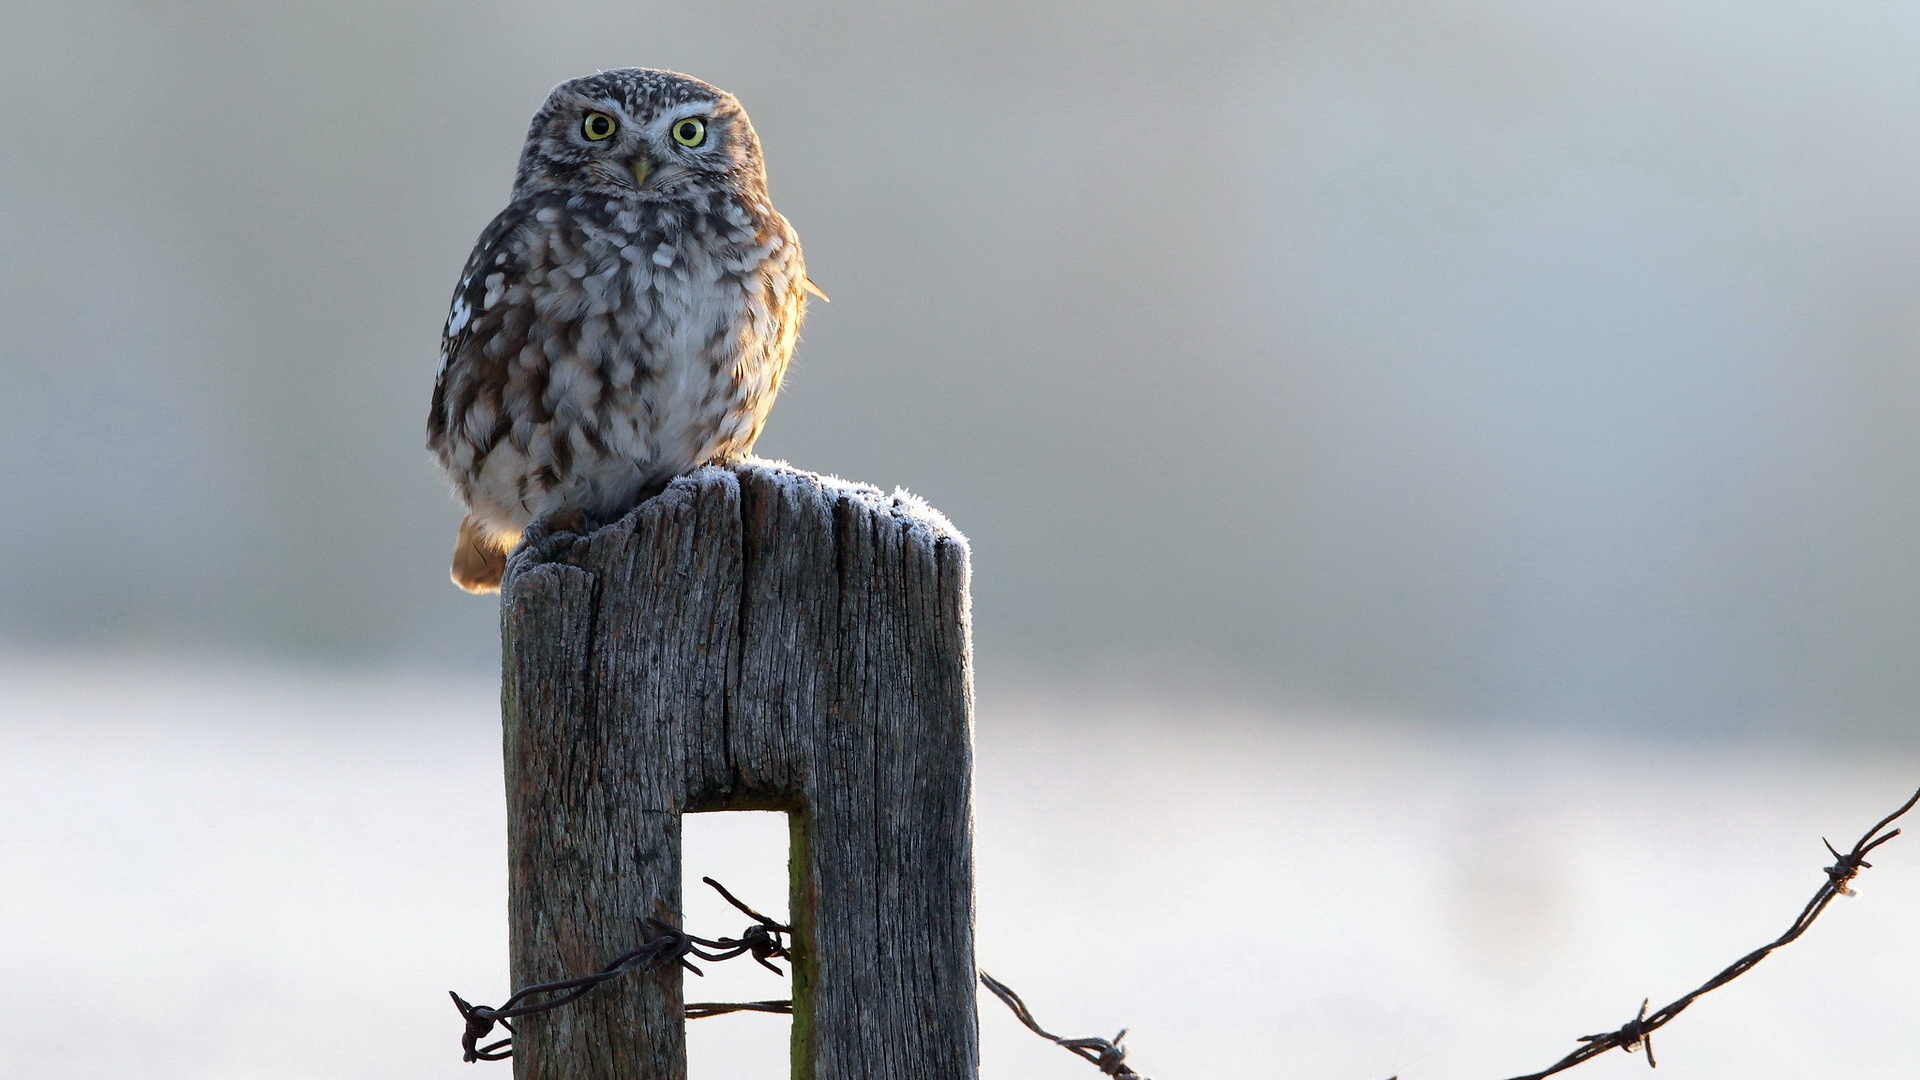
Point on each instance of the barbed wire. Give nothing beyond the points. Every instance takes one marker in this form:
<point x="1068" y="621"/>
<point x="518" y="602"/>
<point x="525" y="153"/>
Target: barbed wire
<point x="1637" y="1033"/>
<point x="1634" y="1035"/>
<point x="1106" y="1054"/>
<point x="766" y="940"/>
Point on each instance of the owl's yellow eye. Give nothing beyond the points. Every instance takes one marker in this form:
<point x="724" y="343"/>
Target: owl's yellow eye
<point x="690" y="132"/>
<point x="598" y="126"/>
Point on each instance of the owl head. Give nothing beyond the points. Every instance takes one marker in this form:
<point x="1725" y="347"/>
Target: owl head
<point x="640" y="133"/>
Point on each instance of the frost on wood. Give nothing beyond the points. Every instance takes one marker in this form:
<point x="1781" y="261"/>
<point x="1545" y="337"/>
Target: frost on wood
<point x="756" y="637"/>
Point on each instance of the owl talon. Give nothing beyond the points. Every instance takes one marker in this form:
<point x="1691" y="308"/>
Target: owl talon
<point x="554" y="534"/>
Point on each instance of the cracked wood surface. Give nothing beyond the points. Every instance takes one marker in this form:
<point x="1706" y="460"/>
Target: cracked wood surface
<point x="756" y="637"/>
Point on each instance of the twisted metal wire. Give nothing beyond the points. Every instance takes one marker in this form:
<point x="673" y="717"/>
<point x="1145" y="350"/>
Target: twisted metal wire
<point x="1634" y="1035"/>
<point x="1108" y="1055"/>
<point x="766" y="940"/>
<point x="1637" y="1033"/>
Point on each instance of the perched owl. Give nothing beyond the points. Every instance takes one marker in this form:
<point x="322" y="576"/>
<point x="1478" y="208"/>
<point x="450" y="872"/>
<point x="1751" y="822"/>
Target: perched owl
<point x="627" y="317"/>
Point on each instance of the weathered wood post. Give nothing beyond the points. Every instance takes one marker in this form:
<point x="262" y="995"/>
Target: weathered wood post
<point x="754" y="638"/>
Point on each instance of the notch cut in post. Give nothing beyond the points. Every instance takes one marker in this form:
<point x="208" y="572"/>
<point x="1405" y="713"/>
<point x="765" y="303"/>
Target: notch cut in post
<point x="756" y="637"/>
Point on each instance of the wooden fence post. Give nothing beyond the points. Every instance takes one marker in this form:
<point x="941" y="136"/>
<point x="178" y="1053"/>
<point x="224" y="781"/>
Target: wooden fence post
<point x="754" y="638"/>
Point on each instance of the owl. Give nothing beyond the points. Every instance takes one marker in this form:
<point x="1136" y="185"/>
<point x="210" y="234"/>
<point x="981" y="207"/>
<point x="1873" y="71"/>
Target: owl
<point x="627" y="318"/>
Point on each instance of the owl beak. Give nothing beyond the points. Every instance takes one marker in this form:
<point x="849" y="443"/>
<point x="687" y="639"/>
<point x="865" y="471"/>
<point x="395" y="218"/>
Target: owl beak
<point x="642" y="168"/>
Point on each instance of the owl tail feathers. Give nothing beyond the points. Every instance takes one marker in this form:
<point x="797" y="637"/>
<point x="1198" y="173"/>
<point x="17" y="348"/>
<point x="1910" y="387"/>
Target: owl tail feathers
<point x="478" y="558"/>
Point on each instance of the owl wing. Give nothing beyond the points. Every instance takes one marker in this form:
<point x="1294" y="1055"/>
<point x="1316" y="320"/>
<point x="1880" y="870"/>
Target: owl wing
<point x="466" y="372"/>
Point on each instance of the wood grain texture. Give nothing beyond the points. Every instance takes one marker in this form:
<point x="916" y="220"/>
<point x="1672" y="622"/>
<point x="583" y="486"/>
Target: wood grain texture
<point x="756" y="637"/>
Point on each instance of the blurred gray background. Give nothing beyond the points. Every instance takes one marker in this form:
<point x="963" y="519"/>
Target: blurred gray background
<point x="1543" y="362"/>
<point x="1442" y="479"/>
